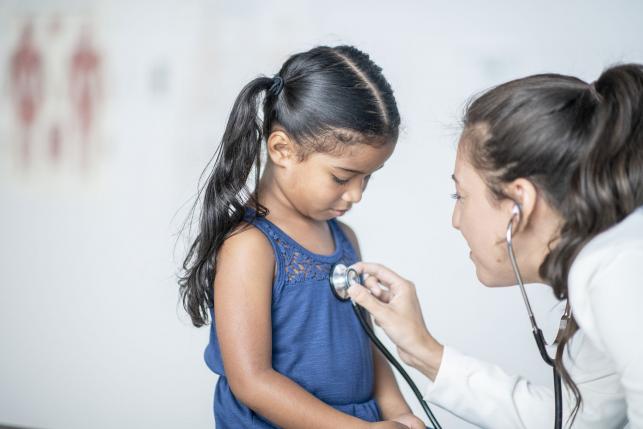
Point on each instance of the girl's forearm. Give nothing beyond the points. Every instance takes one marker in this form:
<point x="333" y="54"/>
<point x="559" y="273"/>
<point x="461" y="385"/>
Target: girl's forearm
<point x="387" y="393"/>
<point x="392" y="405"/>
<point x="288" y="405"/>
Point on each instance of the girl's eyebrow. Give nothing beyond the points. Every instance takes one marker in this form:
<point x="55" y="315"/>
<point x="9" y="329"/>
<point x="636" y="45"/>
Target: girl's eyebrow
<point x="455" y="179"/>
<point x="357" y="171"/>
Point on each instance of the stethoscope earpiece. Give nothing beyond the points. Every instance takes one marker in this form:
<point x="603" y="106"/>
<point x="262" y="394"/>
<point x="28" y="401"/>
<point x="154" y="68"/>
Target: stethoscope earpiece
<point x="516" y="211"/>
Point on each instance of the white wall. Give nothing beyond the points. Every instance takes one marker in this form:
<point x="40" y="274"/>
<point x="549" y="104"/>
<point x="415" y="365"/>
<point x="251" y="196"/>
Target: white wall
<point x="90" y="331"/>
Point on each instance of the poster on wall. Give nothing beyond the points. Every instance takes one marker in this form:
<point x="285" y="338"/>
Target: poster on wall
<point x="53" y="107"/>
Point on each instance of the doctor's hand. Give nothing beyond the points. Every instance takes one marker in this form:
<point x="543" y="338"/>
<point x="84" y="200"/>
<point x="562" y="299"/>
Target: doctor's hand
<point x="396" y="309"/>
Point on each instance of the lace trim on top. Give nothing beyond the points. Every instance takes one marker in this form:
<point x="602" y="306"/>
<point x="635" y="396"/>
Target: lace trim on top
<point x="299" y="264"/>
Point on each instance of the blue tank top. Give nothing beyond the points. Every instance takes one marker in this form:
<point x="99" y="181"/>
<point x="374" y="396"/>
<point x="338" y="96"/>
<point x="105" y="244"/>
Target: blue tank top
<point x="316" y="339"/>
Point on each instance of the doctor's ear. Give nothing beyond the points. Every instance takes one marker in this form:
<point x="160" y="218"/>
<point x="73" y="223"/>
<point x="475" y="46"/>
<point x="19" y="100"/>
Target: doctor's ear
<point x="282" y="149"/>
<point x="521" y="202"/>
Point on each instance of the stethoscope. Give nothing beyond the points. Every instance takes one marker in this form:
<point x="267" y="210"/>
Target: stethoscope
<point x="538" y="334"/>
<point x="343" y="277"/>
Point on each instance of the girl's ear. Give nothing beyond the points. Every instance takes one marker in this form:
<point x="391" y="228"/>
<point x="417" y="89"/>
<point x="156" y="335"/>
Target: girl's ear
<point x="522" y="192"/>
<point x="281" y="148"/>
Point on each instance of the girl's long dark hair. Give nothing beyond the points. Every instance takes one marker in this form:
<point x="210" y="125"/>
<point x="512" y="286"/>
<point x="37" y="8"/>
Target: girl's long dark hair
<point x="581" y="145"/>
<point x="323" y="98"/>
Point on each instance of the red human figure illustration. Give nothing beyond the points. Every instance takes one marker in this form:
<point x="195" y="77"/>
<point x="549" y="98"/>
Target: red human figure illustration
<point x="26" y="86"/>
<point x="55" y="142"/>
<point x="54" y="29"/>
<point x="85" y="88"/>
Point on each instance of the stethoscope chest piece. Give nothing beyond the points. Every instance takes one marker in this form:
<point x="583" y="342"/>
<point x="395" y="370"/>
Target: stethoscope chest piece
<point x="341" y="278"/>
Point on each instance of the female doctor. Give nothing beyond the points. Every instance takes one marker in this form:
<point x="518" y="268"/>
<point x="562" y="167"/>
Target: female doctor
<point x="558" y="164"/>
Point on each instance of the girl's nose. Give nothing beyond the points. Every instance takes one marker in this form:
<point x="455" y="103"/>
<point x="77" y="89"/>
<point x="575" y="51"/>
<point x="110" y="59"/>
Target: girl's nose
<point x="354" y="193"/>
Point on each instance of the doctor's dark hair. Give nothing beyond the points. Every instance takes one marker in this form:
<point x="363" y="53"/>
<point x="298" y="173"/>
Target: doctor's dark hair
<point x="580" y="144"/>
<point x="324" y="99"/>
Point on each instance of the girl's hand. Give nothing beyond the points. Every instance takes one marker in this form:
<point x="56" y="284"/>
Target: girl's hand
<point x="411" y="421"/>
<point x="397" y="311"/>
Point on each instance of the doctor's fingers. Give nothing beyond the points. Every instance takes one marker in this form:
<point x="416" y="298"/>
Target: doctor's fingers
<point x="373" y="285"/>
<point x="386" y="276"/>
<point x="373" y="305"/>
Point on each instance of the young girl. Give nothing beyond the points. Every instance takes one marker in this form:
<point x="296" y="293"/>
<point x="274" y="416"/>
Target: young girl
<point x="289" y="354"/>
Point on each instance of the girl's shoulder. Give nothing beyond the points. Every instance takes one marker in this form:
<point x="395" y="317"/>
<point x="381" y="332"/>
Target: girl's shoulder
<point x="350" y="235"/>
<point x="246" y="247"/>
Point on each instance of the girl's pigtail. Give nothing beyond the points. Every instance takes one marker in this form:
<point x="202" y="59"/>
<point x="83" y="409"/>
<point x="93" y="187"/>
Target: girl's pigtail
<point x="224" y="198"/>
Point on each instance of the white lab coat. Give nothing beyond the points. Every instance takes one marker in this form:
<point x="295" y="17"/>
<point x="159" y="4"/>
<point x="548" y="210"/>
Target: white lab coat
<point x="606" y="362"/>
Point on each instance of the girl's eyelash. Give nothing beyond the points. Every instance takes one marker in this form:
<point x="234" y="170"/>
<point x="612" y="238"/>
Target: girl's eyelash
<point x="456" y="196"/>
<point x="339" y="181"/>
<point x="345" y="181"/>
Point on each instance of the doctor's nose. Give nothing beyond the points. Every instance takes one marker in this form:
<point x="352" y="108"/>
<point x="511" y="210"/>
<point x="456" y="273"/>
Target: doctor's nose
<point x="455" y="217"/>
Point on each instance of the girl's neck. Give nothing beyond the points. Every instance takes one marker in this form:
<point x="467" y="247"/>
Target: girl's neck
<point x="281" y="210"/>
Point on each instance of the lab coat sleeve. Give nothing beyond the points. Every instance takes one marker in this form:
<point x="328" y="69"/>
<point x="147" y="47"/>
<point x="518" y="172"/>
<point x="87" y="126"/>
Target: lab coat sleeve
<point x="615" y="295"/>
<point x="485" y="395"/>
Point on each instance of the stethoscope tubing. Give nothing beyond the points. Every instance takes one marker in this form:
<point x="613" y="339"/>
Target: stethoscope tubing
<point x="538" y="334"/>
<point x="340" y="279"/>
<point x="396" y="364"/>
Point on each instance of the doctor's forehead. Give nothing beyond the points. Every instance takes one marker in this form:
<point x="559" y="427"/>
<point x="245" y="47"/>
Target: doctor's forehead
<point x="463" y="172"/>
<point x="458" y="173"/>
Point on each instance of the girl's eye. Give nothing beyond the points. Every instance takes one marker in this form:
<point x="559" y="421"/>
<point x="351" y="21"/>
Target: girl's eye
<point x="456" y="196"/>
<point x="340" y="181"/>
<point x="365" y="181"/>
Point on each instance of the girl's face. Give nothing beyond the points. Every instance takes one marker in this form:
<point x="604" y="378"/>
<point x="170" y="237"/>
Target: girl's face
<point x="324" y="186"/>
<point x="482" y="221"/>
